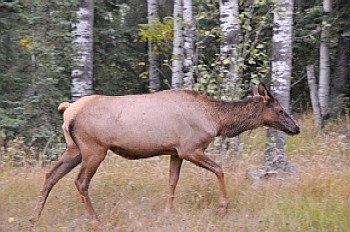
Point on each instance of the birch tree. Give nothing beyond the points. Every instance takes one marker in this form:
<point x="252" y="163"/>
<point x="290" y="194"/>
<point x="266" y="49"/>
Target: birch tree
<point x="177" y="57"/>
<point x="82" y="30"/>
<point x="310" y="70"/>
<point x="153" y="71"/>
<point x="275" y="154"/>
<point x="189" y="40"/>
<point x="324" y="79"/>
<point x="229" y="48"/>
<point x="230" y="55"/>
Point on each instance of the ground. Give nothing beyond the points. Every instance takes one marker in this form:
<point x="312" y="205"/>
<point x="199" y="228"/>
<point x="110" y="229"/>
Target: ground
<point x="130" y="195"/>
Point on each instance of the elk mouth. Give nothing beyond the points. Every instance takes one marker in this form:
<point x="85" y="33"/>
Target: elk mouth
<point x="295" y="131"/>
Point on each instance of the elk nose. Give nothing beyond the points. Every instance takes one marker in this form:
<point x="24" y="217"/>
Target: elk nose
<point x="297" y="130"/>
<point x="294" y="131"/>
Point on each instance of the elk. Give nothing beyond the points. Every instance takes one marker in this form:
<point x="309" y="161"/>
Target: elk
<point x="179" y="123"/>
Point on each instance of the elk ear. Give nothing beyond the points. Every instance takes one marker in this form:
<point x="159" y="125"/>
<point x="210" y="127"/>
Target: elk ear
<point x="265" y="93"/>
<point x="254" y="89"/>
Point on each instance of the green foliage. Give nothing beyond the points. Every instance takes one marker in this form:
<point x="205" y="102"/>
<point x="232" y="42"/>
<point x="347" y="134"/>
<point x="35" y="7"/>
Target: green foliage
<point x="160" y="34"/>
<point x="256" y="21"/>
<point x="35" y="66"/>
<point x="206" y="14"/>
<point x="34" y="73"/>
<point x="207" y="82"/>
<point x="116" y="51"/>
<point x="256" y="45"/>
<point x="308" y="24"/>
<point x="158" y="31"/>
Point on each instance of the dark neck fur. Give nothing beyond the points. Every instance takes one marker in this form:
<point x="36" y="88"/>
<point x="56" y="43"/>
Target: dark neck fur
<point x="237" y="117"/>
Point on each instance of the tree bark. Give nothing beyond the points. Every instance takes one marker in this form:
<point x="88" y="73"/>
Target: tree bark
<point x="324" y="79"/>
<point x="177" y="58"/>
<point x="229" y="48"/>
<point x="189" y="38"/>
<point x="275" y="154"/>
<point x="153" y="57"/>
<point x="229" y="56"/>
<point x="82" y="30"/>
<point x="310" y="70"/>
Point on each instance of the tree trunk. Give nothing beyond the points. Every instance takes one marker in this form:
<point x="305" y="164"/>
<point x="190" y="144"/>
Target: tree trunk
<point x="82" y="30"/>
<point x="229" y="56"/>
<point x="177" y="58"/>
<point x="324" y="79"/>
<point x="275" y="154"/>
<point x="229" y="48"/>
<point x="189" y="38"/>
<point x="310" y="70"/>
<point x="153" y="57"/>
<point x="340" y="73"/>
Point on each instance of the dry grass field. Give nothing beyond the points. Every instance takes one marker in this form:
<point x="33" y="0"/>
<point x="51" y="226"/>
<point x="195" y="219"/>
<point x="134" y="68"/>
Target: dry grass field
<point x="130" y="195"/>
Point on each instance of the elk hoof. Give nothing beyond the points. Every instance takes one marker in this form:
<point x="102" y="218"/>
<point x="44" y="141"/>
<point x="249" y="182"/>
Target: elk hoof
<point x="32" y="221"/>
<point x="222" y="211"/>
<point x="223" y="208"/>
<point x="96" y="223"/>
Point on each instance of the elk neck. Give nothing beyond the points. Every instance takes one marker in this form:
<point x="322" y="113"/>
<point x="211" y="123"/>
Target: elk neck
<point x="237" y="117"/>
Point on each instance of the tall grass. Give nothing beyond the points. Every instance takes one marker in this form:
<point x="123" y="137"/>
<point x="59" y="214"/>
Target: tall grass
<point x="130" y="195"/>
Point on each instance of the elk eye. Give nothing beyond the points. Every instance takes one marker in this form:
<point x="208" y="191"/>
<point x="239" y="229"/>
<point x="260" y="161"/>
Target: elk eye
<point x="281" y="112"/>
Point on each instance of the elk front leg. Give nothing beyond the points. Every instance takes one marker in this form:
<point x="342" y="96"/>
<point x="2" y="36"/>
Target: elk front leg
<point x="200" y="159"/>
<point x="174" y="174"/>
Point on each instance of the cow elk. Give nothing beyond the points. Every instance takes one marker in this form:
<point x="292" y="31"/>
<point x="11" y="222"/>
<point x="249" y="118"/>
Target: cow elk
<point x="179" y="123"/>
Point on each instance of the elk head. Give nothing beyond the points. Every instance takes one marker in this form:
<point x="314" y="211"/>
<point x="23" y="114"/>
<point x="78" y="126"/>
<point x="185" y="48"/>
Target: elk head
<point x="274" y="115"/>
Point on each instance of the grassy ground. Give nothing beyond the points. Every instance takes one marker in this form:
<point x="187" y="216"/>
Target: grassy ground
<point x="130" y="195"/>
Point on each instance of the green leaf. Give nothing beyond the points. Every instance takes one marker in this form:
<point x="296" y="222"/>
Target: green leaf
<point x="260" y="46"/>
<point x="226" y="61"/>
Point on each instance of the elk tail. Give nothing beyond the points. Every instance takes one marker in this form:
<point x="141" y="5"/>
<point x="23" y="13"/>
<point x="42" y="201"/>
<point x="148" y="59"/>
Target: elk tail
<point x="63" y="106"/>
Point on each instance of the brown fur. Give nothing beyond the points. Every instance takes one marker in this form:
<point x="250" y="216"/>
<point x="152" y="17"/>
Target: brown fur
<point x="179" y="123"/>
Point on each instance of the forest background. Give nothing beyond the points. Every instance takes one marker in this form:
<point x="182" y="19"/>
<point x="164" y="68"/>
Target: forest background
<point x="37" y="53"/>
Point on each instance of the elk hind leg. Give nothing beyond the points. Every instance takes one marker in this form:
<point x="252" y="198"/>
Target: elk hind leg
<point x="70" y="159"/>
<point x="91" y="161"/>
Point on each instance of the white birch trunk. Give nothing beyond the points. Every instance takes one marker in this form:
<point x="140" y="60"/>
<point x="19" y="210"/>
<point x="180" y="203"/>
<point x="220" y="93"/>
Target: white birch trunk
<point x="229" y="48"/>
<point x="82" y="30"/>
<point x="275" y="156"/>
<point x="189" y="38"/>
<point x="177" y="57"/>
<point x="153" y="71"/>
<point x="310" y="70"/>
<point x="324" y="79"/>
<point x="229" y="56"/>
